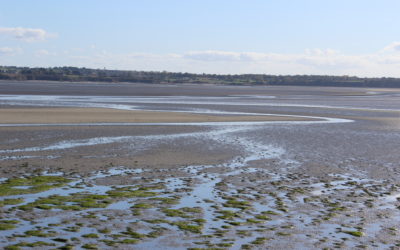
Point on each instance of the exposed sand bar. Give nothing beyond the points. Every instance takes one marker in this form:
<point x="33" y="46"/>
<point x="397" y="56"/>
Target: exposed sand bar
<point x="103" y="115"/>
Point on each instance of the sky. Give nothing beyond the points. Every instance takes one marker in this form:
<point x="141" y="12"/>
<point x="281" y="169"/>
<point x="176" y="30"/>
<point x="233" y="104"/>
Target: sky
<point x="285" y="37"/>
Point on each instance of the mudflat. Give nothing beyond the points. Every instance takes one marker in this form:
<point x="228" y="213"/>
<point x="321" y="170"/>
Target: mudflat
<point x="223" y="167"/>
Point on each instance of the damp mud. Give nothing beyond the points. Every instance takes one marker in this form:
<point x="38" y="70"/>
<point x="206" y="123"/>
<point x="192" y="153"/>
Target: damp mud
<point x="206" y="167"/>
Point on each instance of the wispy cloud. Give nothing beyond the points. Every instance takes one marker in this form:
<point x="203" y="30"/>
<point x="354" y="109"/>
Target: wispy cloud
<point x="310" y="57"/>
<point x="44" y="52"/>
<point x="213" y="55"/>
<point x="9" y="51"/>
<point x="393" y="47"/>
<point x="25" y="34"/>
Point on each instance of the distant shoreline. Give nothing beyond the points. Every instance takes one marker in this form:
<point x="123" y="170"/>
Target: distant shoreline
<point x="74" y="74"/>
<point x="189" y="84"/>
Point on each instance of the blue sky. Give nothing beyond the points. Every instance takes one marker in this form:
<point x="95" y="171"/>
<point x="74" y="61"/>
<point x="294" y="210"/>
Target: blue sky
<point x="338" y="37"/>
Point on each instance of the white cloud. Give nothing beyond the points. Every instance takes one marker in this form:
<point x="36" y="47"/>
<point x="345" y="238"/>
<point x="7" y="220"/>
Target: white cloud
<point x="321" y="52"/>
<point x="213" y="55"/>
<point x="393" y="47"/>
<point x="9" y="51"/>
<point x="311" y="57"/>
<point x="44" y="52"/>
<point x="216" y="55"/>
<point x="25" y="34"/>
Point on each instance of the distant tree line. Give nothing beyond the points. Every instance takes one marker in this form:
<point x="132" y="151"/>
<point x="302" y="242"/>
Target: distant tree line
<point x="74" y="74"/>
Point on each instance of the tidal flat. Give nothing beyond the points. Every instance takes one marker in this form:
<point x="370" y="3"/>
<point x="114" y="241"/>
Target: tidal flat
<point x="133" y="166"/>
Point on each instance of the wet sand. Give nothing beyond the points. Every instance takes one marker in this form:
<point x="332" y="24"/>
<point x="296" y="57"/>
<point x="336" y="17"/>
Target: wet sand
<point x="104" y="115"/>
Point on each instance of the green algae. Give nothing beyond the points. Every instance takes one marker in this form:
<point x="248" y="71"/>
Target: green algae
<point x="253" y="221"/>
<point x="227" y="214"/>
<point x="243" y="233"/>
<point x="136" y="212"/>
<point x="234" y="223"/>
<point x="129" y="231"/>
<point x="157" y="221"/>
<point x="192" y="209"/>
<point x="130" y="192"/>
<point x="199" y="221"/>
<point x="270" y="212"/>
<point x="128" y="241"/>
<point x="91" y="235"/>
<point x="104" y="230"/>
<point x="31" y="185"/>
<point x="110" y="242"/>
<point x="234" y="203"/>
<point x="246" y="246"/>
<point x="259" y="241"/>
<point x="283" y="234"/>
<point x="88" y="216"/>
<point x="280" y="205"/>
<point x="90" y="246"/>
<point x="189" y="226"/>
<point x="175" y="213"/>
<point x="157" y="232"/>
<point x="237" y="205"/>
<point x="220" y="233"/>
<point x="36" y="244"/>
<point x="8" y="224"/>
<point x="39" y="233"/>
<point x="60" y="240"/>
<point x="6" y="202"/>
<point x="354" y="233"/>
<point x="225" y="245"/>
<point x="142" y="205"/>
<point x="66" y="247"/>
<point x="181" y="212"/>
<point x="12" y="247"/>
<point x="76" y="201"/>
<point x="72" y="229"/>
<point x="262" y="217"/>
<point x="167" y="200"/>
<point x="117" y="236"/>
